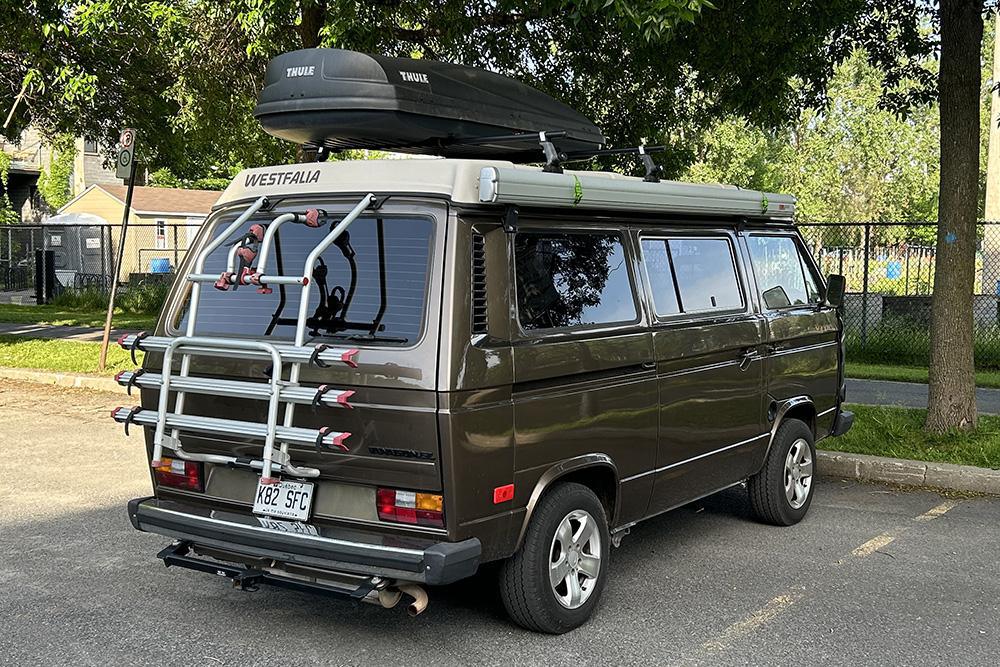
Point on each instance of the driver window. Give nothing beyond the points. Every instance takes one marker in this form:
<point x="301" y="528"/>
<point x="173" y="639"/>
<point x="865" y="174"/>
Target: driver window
<point x="781" y="276"/>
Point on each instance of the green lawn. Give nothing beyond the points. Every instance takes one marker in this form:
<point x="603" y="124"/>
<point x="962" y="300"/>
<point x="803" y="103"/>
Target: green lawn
<point x="897" y="432"/>
<point x="65" y="356"/>
<point x="63" y="316"/>
<point x="910" y="374"/>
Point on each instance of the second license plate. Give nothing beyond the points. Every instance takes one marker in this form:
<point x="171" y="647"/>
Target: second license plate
<point x="287" y="500"/>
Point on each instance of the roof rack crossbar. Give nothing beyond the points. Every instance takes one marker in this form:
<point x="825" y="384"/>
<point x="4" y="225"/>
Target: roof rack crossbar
<point x="653" y="170"/>
<point x="508" y="138"/>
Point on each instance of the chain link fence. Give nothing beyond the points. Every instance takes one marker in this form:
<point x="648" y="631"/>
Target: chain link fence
<point x="83" y="257"/>
<point x="889" y="269"/>
<point x="890" y="278"/>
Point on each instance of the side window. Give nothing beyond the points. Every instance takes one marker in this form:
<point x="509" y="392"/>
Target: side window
<point x="780" y="272"/>
<point x="656" y="258"/>
<point x="690" y="275"/>
<point x="571" y="279"/>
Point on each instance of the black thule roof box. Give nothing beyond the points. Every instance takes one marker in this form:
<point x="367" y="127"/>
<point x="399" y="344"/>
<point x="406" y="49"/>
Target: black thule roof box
<point x="343" y="99"/>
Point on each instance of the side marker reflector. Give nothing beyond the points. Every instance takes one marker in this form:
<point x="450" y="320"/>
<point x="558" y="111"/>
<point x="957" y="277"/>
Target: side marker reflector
<point x="503" y="494"/>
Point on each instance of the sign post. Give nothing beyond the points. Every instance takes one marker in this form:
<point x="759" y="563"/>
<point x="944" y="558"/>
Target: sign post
<point x="125" y="169"/>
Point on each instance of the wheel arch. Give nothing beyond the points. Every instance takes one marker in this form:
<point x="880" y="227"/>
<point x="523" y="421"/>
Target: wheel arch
<point x="796" y="407"/>
<point x="595" y="471"/>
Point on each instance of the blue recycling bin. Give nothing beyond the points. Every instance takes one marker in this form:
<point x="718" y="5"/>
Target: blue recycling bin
<point x="894" y="270"/>
<point x="159" y="265"/>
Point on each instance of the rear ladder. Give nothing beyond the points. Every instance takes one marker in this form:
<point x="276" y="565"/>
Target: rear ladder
<point x="246" y="265"/>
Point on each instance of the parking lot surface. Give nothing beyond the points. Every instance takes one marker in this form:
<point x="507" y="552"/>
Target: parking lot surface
<point x="872" y="576"/>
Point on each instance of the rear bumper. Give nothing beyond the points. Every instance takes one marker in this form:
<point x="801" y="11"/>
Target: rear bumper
<point x="842" y="424"/>
<point x="335" y="549"/>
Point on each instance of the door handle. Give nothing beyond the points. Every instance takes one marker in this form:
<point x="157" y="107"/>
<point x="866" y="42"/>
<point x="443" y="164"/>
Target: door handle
<point x="649" y="365"/>
<point x="746" y="357"/>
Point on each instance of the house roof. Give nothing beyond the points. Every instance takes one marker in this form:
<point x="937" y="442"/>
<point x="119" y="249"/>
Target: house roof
<point x="148" y="200"/>
<point x="165" y="200"/>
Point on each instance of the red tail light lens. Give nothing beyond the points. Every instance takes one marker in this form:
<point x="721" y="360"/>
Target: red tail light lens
<point x="421" y="509"/>
<point x="179" y="474"/>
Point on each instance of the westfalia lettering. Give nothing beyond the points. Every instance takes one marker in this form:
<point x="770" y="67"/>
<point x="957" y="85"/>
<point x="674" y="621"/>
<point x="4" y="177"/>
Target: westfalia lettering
<point x="299" y="177"/>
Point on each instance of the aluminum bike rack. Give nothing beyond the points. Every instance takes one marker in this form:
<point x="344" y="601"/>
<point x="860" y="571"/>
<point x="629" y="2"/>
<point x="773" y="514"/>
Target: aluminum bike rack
<point x="276" y="391"/>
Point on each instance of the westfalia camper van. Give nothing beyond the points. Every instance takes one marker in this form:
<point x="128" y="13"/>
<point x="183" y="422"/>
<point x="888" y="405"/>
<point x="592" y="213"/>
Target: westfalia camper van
<point x="373" y="377"/>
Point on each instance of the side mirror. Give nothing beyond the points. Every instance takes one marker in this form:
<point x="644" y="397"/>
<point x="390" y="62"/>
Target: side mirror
<point x="836" y="285"/>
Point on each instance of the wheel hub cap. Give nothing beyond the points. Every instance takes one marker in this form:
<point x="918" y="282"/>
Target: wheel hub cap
<point x="798" y="473"/>
<point x="575" y="559"/>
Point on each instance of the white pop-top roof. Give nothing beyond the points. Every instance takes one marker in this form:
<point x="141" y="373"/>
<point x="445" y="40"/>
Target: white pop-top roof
<point x="495" y="182"/>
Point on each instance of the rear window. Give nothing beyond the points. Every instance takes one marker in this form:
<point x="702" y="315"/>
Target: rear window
<point x="572" y="280"/>
<point x="402" y="267"/>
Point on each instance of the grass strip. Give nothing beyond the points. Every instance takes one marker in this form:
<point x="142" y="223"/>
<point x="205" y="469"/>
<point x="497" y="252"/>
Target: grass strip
<point x="898" y="433"/>
<point x="61" y="356"/>
<point x="990" y="379"/>
<point x="62" y="316"/>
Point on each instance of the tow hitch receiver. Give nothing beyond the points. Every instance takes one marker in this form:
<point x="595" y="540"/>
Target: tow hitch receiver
<point x="250" y="579"/>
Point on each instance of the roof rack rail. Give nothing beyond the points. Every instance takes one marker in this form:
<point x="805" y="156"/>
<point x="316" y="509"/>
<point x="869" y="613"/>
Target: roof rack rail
<point x="554" y="157"/>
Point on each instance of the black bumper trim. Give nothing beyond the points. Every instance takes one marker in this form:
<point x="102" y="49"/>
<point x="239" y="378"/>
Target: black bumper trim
<point x="334" y="549"/>
<point x="842" y="424"/>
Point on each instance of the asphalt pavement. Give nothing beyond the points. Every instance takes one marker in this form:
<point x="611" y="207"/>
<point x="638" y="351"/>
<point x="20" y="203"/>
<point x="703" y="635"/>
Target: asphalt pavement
<point x="910" y="395"/>
<point x="872" y="576"/>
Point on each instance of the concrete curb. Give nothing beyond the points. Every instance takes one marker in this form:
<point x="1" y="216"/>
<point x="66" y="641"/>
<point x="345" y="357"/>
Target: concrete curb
<point x="62" y="379"/>
<point x="949" y="476"/>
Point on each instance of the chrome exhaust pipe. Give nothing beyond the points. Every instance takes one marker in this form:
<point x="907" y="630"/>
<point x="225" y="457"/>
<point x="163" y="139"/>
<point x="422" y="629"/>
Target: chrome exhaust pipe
<point x="389" y="597"/>
<point x="419" y="596"/>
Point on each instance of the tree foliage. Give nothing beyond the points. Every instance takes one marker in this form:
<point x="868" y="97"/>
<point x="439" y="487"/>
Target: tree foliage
<point x="854" y="159"/>
<point x="55" y="181"/>
<point x="8" y="216"/>
<point x="186" y="72"/>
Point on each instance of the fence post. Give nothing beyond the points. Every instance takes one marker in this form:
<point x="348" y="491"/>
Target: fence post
<point x="864" y="287"/>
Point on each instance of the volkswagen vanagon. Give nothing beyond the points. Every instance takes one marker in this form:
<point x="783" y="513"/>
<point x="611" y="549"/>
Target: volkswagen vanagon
<point x="376" y="376"/>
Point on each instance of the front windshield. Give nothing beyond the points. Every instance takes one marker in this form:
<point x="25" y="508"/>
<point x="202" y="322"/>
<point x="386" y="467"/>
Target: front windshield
<point x="374" y="287"/>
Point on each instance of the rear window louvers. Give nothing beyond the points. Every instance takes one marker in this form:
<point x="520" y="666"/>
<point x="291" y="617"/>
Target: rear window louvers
<point x="480" y="323"/>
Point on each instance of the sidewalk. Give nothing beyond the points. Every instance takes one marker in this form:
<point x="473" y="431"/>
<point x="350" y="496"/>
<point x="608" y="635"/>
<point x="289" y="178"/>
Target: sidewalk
<point x="84" y="334"/>
<point x="910" y="395"/>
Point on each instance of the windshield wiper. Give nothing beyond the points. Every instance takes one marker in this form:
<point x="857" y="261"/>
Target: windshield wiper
<point x="360" y="338"/>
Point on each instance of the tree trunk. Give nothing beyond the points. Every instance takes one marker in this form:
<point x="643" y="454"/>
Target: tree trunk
<point x="312" y="20"/>
<point x="952" y="401"/>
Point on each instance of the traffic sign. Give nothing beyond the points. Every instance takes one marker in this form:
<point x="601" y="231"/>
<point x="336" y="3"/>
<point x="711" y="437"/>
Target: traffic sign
<point x="126" y="153"/>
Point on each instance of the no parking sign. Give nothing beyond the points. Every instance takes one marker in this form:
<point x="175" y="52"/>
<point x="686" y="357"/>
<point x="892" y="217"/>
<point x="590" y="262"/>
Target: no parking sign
<point x="126" y="153"/>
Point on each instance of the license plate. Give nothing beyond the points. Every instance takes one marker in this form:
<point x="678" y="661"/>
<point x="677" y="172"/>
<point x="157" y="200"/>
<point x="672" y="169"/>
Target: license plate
<point x="288" y="526"/>
<point x="285" y="500"/>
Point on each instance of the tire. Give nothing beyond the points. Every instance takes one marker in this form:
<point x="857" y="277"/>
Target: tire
<point x="780" y="494"/>
<point x="530" y="598"/>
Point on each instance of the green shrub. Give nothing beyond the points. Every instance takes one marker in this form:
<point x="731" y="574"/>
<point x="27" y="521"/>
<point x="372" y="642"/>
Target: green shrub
<point x="138" y="299"/>
<point x="143" y="299"/>
<point x="90" y="298"/>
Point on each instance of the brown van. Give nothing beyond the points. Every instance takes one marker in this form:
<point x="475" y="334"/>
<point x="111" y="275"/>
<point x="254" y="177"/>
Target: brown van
<point x="363" y="391"/>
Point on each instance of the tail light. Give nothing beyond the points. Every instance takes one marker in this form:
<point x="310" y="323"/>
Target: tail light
<point x="179" y="474"/>
<point x="421" y="509"/>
